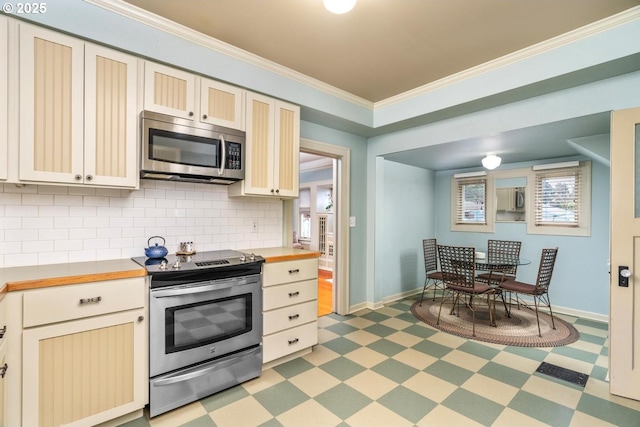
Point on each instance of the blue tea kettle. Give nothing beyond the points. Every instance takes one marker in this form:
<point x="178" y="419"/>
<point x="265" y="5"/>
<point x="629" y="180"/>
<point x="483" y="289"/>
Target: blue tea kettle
<point x="155" y="251"/>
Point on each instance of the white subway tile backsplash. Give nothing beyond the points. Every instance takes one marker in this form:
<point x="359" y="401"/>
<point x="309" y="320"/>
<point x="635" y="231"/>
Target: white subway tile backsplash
<point x="57" y="224"/>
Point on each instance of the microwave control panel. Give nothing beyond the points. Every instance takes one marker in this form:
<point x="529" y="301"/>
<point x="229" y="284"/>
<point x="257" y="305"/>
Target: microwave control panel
<point x="234" y="160"/>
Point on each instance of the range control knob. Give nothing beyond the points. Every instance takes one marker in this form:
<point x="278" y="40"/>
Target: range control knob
<point x="163" y="265"/>
<point x="176" y="265"/>
<point x="243" y="258"/>
<point x="252" y="257"/>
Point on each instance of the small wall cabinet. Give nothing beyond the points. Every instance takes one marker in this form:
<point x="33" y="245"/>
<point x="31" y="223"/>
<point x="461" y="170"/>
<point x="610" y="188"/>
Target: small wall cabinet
<point x="290" y="308"/>
<point x="273" y="149"/>
<point x="182" y="94"/>
<point x="77" y="111"/>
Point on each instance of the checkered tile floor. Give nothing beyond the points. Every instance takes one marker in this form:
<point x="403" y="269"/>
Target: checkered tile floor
<point x="385" y="368"/>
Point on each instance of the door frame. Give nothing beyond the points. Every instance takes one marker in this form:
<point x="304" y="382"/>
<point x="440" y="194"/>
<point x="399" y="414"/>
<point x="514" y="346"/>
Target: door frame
<point x="342" y="172"/>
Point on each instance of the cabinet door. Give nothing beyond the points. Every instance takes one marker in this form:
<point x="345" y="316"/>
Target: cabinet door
<point x="51" y="106"/>
<point x="110" y="142"/>
<point x="95" y="368"/>
<point x="4" y="123"/>
<point x="221" y="104"/>
<point x="169" y="91"/>
<point x="260" y="145"/>
<point x="287" y="151"/>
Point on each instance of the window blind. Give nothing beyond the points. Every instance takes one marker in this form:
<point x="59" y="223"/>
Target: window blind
<point x="557" y="197"/>
<point x="471" y="200"/>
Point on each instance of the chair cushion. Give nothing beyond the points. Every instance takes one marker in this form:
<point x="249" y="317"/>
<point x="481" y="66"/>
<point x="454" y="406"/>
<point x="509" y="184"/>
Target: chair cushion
<point x="478" y="288"/>
<point x="495" y="277"/>
<point x="436" y="275"/>
<point x="520" y="287"/>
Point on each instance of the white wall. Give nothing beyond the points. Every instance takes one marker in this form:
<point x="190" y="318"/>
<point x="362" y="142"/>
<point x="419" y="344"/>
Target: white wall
<point x="41" y="224"/>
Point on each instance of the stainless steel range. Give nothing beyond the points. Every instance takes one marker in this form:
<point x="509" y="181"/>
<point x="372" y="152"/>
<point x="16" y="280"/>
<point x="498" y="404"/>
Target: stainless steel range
<point x="205" y="325"/>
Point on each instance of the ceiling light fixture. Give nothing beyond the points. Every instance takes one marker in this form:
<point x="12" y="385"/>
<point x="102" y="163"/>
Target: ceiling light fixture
<point x="491" y="161"/>
<point x="339" y="6"/>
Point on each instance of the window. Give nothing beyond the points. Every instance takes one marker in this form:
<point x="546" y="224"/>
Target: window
<point x="471" y="208"/>
<point x="305" y="224"/>
<point x="561" y="198"/>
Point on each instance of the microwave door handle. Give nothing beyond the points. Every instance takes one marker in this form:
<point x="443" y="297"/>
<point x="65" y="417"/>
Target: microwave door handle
<point x="223" y="160"/>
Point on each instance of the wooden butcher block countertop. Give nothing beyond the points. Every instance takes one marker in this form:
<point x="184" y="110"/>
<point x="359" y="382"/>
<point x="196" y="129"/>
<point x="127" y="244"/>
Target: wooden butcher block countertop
<point x="282" y="254"/>
<point x="41" y="276"/>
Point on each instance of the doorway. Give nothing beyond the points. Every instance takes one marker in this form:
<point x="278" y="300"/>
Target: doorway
<point x="330" y="202"/>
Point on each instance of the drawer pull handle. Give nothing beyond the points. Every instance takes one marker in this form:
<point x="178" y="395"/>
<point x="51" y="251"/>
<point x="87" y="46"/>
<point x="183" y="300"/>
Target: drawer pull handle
<point x="293" y="341"/>
<point x="293" y="294"/>
<point x="88" y="300"/>
<point x="3" y="370"/>
<point x="297" y="270"/>
<point x="294" y="316"/>
<point x="3" y="331"/>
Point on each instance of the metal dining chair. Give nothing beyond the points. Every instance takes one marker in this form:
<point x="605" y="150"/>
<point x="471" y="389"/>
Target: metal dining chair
<point x="539" y="291"/>
<point x="501" y="249"/>
<point x="433" y="277"/>
<point x="458" y="272"/>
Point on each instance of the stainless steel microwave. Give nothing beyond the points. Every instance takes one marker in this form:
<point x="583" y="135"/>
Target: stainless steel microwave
<point x="177" y="149"/>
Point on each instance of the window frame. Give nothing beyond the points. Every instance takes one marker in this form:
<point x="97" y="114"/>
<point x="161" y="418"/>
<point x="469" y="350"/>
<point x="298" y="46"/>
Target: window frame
<point x="583" y="227"/>
<point x="489" y="209"/>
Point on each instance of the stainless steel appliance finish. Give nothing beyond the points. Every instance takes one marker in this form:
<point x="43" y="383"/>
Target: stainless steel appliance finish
<point x="205" y="328"/>
<point x="177" y="149"/>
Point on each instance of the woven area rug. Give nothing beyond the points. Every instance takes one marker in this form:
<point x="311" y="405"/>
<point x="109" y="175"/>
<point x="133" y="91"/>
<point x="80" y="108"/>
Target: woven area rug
<point x="519" y="330"/>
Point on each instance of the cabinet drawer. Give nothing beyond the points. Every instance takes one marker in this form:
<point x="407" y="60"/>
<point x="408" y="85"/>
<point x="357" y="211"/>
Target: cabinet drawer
<point x="289" y="341"/>
<point x="290" y="271"/>
<point x="289" y="294"/>
<point x="76" y="301"/>
<point x="289" y="317"/>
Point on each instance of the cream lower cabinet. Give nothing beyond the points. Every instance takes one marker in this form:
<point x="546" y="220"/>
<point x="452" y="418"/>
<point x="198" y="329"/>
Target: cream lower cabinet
<point x="4" y="367"/>
<point x="272" y="166"/>
<point x="290" y="309"/>
<point x="78" y="111"/>
<point x="84" y="353"/>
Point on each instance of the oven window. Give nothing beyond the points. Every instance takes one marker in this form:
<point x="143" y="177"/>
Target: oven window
<point x="184" y="149"/>
<point x="197" y="324"/>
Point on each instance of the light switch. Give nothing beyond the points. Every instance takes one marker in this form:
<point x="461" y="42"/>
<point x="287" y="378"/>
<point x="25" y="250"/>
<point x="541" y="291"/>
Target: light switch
<point x="352" y="221"/>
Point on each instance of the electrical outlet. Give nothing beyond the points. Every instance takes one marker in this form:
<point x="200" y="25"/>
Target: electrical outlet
<point x="254" y="226"/>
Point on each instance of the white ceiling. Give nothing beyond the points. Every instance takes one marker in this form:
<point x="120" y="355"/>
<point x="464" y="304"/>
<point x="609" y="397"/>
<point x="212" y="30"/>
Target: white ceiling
<point x="384" y="48"/>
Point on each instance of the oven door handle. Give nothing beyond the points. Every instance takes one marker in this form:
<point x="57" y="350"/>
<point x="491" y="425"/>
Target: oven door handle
<point x="200" y="372"/>
<point x="187" y="290"/>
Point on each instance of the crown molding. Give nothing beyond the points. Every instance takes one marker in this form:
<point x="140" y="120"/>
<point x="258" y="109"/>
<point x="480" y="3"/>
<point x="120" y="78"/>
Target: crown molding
<point x="589" y="30"/>
<point x="135" y="13"/>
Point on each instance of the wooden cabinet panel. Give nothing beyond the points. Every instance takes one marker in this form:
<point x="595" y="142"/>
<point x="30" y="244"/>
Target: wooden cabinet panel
<point x="77" y="111"/>
<point x="4" y="98"/>
<point x="290" y="271"/>
<point x="290" y="317"/>
<point x="169" y="90"/>
<point x="85" y="371"/>
<point x="289" y="294"/>
<point x="273" y="147"/>
<point x="289" y="341"/>
<point x="51" y="106"/>
<point x="221" y="104"/>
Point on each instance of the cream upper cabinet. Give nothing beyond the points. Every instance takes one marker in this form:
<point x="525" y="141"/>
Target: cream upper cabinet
<point x="182" y="94"/>
<point x="4" y="123"/>
<point x="221" y="104"/>
<point x="77" y="111"/>
<point x="272" y="149"/>
<point x="169" y="91"/>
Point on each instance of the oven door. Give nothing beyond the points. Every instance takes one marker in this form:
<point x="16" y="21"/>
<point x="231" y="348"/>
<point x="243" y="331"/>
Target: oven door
<point x="196" y="322"/>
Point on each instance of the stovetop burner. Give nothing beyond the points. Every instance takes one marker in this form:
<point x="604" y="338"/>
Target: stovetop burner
<point x="197" y="261"/>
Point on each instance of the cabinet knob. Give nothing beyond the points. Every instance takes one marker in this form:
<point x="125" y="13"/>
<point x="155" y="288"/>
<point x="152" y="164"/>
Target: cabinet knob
<point x="204" y="117"/>
<point x="140" y="318"/>
<point x="78" y="177"/>
<point x="293" y="341"/>
<point x="88" y="300"/>
<point x="3" y="331"/>
<point x="272" y="190"/>
<point x="190" y="113"/>
<point x="294" y="316"/>
<point x="89" y="177"/>
<point x="278" y="191"/>
<point x="3" y="370"/>
<point x="294" y="294"/>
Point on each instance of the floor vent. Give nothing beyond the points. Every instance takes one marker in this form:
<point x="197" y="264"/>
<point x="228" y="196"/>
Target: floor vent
<point x="561" y="373"/>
